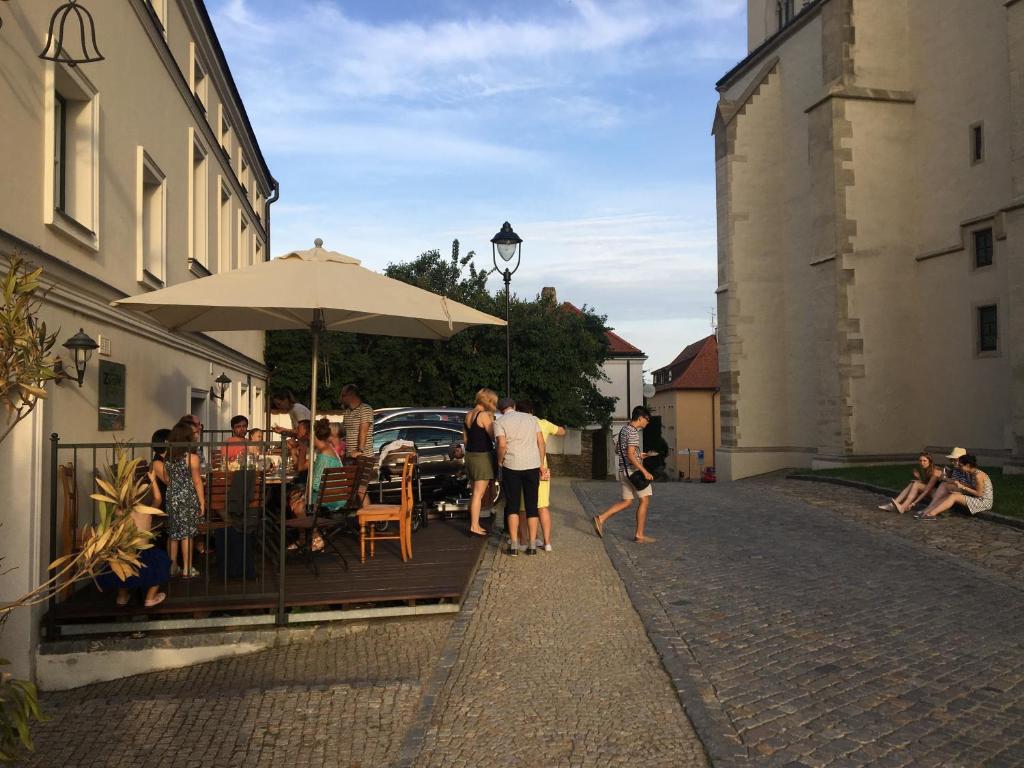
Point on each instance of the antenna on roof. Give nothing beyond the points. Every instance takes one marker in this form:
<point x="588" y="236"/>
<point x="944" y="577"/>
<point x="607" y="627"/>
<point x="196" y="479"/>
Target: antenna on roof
<point x="714" y="321"/>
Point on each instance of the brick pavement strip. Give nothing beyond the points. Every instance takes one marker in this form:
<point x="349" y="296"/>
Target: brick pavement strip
<point x="553" y="669"/>
<point x="344" y="702"/>
<point x="828" y="634"/>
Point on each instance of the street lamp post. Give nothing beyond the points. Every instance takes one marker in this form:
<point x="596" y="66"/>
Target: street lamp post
<point x="508" y="245"/>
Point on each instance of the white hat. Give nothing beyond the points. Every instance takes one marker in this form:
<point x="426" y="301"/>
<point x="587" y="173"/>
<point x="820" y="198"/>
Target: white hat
<point x="956" y="453"/>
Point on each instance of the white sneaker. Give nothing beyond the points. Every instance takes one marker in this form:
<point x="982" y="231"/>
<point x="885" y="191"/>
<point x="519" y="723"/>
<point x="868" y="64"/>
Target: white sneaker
<point x="547" y="547"/>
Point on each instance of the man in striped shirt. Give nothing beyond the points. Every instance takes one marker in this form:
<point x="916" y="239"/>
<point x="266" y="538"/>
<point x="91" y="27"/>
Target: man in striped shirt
<point x="630" y="459"/>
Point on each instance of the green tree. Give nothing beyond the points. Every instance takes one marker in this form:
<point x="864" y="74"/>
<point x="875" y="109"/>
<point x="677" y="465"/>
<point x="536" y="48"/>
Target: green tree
<point x="556" y="353"/>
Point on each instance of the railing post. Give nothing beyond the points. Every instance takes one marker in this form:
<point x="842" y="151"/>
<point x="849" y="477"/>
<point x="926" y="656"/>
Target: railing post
<point x="52" y="628"/>
<point x="282" y="617"/>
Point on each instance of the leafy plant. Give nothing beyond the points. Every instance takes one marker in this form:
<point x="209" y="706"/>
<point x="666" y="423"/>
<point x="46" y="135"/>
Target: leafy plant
<point x="25" y="344"/>
<point x="26" y="364"/>
<point x="19" y="705"/>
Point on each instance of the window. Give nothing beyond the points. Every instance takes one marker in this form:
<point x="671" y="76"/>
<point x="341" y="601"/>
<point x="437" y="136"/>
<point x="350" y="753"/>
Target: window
<point x="71" y="192"/>
<point x="151" y="229"/>
<point x="159" y="8"/>
<point x="983" y="248"/>
<point x="977" y="143"/>
<point x="243" y="243"/>
<point x="224" y="225"/>
<point x="257" y="257"/>
<point x="225" y="133"/>
<point x="785" y="10"/>
<point x="199" y="79"/>
<point x="428" y="437"/>
<point x="382" y="438"/>
<point x="199" y="200"/>
<point x="988" y="329"/>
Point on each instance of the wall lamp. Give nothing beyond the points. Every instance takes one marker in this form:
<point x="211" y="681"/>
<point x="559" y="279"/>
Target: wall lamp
<point x="81" y="348"/>
<point x="220" y="388"/>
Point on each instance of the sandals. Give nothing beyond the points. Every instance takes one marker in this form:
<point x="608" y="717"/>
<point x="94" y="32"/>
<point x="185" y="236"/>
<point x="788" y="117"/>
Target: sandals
<point x="598" y="526"/>
<point x="644" y="539"/>
<point x="160" y="597"/>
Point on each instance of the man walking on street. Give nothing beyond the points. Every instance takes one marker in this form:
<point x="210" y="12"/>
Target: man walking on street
<point x="630" y="460"/>
<point x="520" y="456"/>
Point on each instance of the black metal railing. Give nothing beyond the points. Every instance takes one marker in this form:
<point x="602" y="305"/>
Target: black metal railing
<point x="243" y="542"/>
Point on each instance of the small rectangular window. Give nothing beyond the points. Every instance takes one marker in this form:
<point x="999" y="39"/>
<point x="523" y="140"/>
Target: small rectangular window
<point x="977" y="143"/>
<point x="151" y="236"/>
<point x="199" y="85"/>
<point x="983" y="248"/>
<point x="198" y="205"/>
<point x="60" y="140"/>
<point x="224" y="234"/>
<point x="988" y="329"/>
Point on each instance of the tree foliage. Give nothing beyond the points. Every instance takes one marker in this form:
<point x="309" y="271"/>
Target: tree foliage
<point x="557" y="353"/>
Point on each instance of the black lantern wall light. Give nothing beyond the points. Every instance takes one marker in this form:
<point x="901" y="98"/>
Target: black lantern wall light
<point x="220" y="386"/>
<point x="71" y="37"/>
<point x="81" y="347"/>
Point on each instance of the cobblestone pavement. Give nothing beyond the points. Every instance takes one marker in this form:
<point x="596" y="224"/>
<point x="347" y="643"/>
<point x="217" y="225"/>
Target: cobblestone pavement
<point x="345" y="702"/>
<point x="811" y="638"/>
<point x="999" y="548"/>
<point x="554" y="668"/>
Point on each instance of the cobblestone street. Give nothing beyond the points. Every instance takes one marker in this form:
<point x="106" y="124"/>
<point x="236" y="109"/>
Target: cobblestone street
<point x="808" y="637"/>
<point x="345" y="702"/>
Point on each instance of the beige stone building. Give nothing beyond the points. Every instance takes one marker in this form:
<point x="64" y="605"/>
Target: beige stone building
<point x="870" y="164"/>
<point x="121" y="176"/>
<point x="686" y="398"/>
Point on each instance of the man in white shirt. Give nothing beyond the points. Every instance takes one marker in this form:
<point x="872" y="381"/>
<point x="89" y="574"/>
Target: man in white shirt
<point x="520" y="456"/>
<point x="284" y="402"/>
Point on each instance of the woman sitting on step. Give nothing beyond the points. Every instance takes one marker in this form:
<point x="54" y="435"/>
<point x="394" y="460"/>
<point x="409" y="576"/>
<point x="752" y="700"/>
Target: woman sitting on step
<point x="978" y="497"/>
<point x="926" y="478"/>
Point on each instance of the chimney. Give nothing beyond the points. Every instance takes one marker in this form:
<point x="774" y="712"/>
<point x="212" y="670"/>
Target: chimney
<point x="549" y="294"/>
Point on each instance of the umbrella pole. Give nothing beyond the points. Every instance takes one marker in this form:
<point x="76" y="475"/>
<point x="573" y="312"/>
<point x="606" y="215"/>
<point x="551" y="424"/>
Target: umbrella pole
<point x="316" y="327"/>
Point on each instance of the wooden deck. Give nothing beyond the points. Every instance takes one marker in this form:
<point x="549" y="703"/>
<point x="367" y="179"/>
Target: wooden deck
<point x="444" y="561"/>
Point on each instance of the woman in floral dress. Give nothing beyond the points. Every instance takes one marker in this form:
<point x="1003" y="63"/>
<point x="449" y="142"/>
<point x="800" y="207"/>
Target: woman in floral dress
<point x="186" y="500"/>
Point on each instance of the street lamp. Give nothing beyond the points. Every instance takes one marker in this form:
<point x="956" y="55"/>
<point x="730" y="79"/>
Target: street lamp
<point x="81" y="348"/>
<point x="508" y="245"/>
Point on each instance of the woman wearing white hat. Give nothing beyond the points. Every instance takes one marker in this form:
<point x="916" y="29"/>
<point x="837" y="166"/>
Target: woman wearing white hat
<point x="977" y="494"/>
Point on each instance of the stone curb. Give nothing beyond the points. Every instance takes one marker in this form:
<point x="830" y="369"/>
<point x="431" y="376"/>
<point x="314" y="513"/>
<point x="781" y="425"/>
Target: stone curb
<point x="416" y="736"/>
<point x="992" y="517"/>
<point x="695" y="692"/>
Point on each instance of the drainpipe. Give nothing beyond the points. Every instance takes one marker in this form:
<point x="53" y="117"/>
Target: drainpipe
<point x="274" y="197"/>
<point x="628" y="404"/>
<point x="713" y="430"/>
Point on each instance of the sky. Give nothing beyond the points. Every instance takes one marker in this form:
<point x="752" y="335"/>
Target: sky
<point x="396" y="126"/>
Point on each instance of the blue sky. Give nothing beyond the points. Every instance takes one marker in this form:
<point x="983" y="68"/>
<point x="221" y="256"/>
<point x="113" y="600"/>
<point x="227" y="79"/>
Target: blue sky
<point x="395" y="126"/>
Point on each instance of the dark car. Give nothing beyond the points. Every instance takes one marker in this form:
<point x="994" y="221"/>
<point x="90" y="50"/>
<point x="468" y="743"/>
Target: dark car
<point x="442" y="471"/>
<point x="452" y="416"/>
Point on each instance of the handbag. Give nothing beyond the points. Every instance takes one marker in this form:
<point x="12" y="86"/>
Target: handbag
<point x="636" y="477"/>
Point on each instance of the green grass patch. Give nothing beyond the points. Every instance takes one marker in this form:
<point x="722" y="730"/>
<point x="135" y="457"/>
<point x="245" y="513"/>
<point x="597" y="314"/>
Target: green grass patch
<point x="1009" y="489"/>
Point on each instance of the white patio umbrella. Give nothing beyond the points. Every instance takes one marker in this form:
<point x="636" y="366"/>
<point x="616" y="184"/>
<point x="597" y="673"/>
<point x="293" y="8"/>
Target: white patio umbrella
<point x="315" y="289"/>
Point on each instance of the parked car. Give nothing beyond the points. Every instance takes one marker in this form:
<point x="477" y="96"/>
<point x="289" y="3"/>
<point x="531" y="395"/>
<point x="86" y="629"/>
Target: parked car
<point x="442" y="472"/>
<point x="454" y="416"/>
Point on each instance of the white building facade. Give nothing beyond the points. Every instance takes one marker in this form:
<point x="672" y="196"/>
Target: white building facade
<point x="123" y="175"/>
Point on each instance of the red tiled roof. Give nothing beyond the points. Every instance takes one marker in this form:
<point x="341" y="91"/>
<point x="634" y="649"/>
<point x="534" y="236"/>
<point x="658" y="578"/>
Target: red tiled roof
<point x="617" y="344"/>
<point x="696" y="367"/>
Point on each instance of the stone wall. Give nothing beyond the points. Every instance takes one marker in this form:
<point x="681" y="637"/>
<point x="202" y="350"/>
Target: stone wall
<point x="575" y="465"/>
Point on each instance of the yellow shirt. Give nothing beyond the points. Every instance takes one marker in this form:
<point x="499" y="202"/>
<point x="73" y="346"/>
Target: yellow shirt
<point x="546" y="429"/>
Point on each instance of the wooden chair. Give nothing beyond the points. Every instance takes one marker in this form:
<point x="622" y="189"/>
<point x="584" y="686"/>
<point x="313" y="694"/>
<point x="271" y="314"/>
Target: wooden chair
<point x="69" y="539"/>
<point x="218" y="492"/>
<point x="387" y="513"/>
<point x="337" y="485"/>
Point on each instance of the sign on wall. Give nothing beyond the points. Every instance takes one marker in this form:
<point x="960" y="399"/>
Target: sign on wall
<point x="111" y="399"/>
